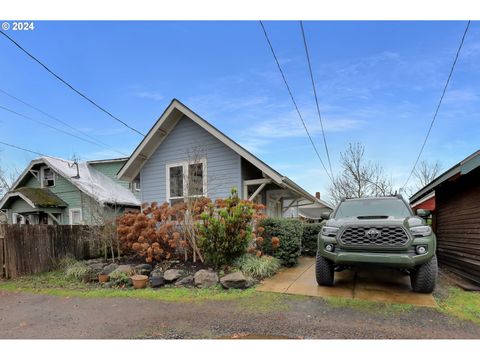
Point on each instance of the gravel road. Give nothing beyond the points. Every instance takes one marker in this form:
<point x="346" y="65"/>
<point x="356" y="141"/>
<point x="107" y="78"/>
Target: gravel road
<point x="24" y="315"/>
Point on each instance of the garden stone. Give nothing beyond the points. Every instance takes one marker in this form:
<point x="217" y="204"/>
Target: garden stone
<point x="172" y="275"/>
<point x="186" y="281"/>
<point x="108" y="269"/>
<point x="204" y="278"/>
<point x="156" y="281"/>
<point x="250" y="282"/>
<point x="143" y="269"/>
<point x="234" y="280"/>
<point x="157" y="273"/>
<point x="122" y="269"/>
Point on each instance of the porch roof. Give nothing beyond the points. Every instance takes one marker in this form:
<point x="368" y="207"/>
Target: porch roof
<point x="35" y="197"/>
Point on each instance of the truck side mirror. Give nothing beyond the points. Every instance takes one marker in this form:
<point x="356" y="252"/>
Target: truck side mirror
<point x="325" y="215"/>
<point x="423" y="213"/>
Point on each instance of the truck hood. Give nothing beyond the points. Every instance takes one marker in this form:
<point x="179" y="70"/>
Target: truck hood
<point x="407" y="222"/>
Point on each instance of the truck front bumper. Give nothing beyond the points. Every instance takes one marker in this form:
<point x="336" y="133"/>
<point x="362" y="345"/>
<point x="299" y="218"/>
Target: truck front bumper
<point x="404" y="259"/>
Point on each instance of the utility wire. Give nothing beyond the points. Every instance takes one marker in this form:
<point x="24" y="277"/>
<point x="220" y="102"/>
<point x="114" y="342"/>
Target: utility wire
<point x="70" y="86"/>
<point x="98" y="142"/>
<point x="438" y="106"/>
<point x="316" y="98"/>
<point x="293" y="99"/>
<point x="47" y="125"/>
<point x="20" y="148"/>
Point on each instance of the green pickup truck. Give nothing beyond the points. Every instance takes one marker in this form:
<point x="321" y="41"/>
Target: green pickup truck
<point x="379" y="232"/>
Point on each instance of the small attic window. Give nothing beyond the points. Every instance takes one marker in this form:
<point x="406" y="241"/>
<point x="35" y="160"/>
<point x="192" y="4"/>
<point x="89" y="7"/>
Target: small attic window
<point x="48" y="177"/>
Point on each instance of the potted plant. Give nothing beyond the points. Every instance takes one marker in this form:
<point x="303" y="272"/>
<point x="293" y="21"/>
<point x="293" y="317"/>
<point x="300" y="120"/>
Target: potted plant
<point x="139" y="281"/>
<point x="103" y="278"/>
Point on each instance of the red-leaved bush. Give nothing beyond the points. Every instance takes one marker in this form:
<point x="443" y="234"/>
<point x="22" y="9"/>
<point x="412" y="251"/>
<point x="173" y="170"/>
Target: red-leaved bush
<point x="162" y="232"/>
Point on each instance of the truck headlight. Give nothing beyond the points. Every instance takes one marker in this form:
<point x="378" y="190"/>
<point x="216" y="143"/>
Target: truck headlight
<point x="420" y="231"/>
<point x="329" y="231"/>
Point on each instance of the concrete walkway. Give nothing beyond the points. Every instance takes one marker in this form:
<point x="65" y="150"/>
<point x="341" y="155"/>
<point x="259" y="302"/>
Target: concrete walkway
<point x="383" y="285"/>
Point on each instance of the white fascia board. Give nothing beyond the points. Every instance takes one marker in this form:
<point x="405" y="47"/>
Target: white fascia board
<point x="12" y="194"/>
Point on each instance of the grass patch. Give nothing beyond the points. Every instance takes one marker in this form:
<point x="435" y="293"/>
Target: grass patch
<point x="55" y="283"/>
<point x="263" y="302"/>
<point x="461" y="304"/>
<point x="369" y="306"/>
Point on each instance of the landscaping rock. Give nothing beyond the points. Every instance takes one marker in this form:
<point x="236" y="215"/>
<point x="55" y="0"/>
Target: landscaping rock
<point x="234" y="280"/>
<point x="156" y="281"/>
<point x="186" y="281"/>
<point x="250" y="282"/>
<point x="172" y="275"/>
<point x="143" y="269"/>
<point x="122" y="269"/>
<point x="205" y="278"/>
<point x="108" y="269"/>
<point x="157" y="272"/>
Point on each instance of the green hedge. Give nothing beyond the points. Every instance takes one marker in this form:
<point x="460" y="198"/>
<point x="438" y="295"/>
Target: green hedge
<point x="289" y="231"/>
<point x="309" y="238"/>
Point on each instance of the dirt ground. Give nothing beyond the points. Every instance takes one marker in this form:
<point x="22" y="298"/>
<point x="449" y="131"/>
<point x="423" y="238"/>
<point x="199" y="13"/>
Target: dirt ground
<point x="24" y="315"/>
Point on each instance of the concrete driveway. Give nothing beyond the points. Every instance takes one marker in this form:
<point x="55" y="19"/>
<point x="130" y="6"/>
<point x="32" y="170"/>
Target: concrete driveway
<point x="389" y="286"/>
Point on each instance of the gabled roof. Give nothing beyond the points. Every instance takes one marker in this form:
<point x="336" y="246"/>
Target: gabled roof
<point x="167" y="121"/>
<point x="462" y="168"/>
<point x="35" y="197"/>
<point x="89" y="180"/>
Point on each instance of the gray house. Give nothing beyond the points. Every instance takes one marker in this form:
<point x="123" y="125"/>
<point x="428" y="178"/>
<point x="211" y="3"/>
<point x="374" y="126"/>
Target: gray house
<point x="184" y="156"/>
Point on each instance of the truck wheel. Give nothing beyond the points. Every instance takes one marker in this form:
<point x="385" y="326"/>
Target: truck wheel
<point x="424" y="277"/>
<point x="324" y="271"/>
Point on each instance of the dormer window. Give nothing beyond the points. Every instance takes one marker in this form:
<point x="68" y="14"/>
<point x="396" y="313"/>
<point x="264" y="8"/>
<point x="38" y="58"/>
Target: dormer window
<point x="48" y="177"/>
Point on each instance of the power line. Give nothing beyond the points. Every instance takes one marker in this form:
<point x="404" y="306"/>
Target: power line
<point x="20" y="148"/>
<point x="439" y="104"/>
<point x="46" y="124"/>
<point x="98" y="142"/>
<point x="70" y="86"/>
<point x="293" y="99"/>
<point x="316" y="98"/>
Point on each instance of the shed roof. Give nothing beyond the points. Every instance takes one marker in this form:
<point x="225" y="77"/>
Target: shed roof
<point x="468" y="164"/>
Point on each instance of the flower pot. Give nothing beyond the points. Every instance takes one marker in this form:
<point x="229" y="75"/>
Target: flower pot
<point x="103" y="278"/>
<point x="139" y="281"/>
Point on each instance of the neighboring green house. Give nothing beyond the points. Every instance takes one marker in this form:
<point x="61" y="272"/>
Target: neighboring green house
<point x="58" y="191"/>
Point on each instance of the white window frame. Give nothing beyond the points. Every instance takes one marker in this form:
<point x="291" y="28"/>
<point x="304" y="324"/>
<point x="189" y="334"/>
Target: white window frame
<point x="70" y="211"/>
<point x="184" y="165"/>
<point x="14" y="219"/>
<point x="42" y="173"/>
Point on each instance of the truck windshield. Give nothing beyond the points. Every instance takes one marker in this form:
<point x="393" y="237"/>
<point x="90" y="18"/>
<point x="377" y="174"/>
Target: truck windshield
<point x="366" y="208"/>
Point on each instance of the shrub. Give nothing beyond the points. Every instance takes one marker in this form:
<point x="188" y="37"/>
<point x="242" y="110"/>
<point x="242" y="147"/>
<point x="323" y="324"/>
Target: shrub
<point x="258" y="267"/>
<point x="226" y="229"/>
<point x="289" y="234"/>
<point x="162" y="232"/>
<point x="309" y="238"/>
<point x="74" y="269"/>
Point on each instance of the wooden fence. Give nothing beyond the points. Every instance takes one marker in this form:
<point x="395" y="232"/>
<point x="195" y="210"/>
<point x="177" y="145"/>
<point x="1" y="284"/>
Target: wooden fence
<point x="31" y="249"/>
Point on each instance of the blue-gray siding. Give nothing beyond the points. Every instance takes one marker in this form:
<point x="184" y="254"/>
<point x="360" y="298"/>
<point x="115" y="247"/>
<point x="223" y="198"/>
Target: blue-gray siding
<point x="223" y="164"/>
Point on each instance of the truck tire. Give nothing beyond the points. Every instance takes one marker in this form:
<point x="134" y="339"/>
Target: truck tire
<point x="424" y="277"/>
<point x="324" y="271"/>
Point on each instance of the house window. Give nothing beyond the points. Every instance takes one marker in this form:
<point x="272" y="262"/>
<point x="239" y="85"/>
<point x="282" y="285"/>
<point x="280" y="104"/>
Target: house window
<point x="48" y="177"/>
<point x="75" y="216"/>
<point x="18" y="219"/>
<point x="186" y="179"/>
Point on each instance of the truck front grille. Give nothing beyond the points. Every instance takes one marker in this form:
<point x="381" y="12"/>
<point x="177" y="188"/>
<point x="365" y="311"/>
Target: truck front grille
<point x="374" y="236"/>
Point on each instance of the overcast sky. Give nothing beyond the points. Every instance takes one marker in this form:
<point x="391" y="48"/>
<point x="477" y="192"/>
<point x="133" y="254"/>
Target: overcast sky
<point x="378" y="83"/>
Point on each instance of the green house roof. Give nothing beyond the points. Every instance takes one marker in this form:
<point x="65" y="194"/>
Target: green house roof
<point x="41" y="197"/>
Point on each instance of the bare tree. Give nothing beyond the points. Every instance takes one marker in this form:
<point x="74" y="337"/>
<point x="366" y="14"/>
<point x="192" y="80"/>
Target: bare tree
<point x="359" y="177"/>
<point x="425" y="172"/>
